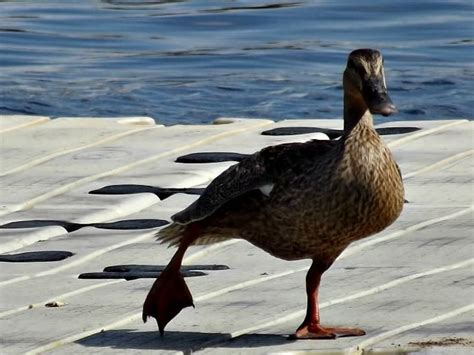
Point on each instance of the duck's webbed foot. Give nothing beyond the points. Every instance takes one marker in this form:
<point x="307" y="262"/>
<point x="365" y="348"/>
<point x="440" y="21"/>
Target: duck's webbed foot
<point x="311" y="327"/>
<point x="316" y="331"/>
<point x="168" y="296"/>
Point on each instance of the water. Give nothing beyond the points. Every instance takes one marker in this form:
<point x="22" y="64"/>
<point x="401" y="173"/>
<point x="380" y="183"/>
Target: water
<point x="193" y="61"/>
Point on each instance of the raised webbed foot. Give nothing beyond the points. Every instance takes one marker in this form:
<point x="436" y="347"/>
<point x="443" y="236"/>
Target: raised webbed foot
<point x="167" y="297"/>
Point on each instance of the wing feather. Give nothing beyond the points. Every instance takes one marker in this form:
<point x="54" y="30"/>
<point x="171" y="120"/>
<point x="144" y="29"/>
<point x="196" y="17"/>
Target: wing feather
<point x="265" y="167"/>
<point x="235" y="181"/>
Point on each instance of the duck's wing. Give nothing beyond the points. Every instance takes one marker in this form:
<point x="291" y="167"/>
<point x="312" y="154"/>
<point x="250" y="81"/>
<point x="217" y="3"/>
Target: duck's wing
<point x="258" y="171"/>
<point x="245" y="176"/>
<point x="294" y="158"/>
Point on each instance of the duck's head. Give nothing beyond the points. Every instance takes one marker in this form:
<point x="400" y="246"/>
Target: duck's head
<point x="364" y="82"/>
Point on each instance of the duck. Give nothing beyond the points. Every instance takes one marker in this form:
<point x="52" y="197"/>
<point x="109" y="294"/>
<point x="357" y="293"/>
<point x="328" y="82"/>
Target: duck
<point x="297" y="201"/>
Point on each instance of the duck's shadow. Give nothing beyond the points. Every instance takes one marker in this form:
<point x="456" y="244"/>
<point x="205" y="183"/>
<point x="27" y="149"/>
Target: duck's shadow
<point x="177" y="341"/>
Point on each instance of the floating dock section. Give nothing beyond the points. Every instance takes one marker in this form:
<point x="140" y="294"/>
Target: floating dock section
<point x="82" y="198"/>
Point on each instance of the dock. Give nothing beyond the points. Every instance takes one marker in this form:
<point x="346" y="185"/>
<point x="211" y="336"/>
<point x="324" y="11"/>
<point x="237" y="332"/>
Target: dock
<point x="82" y="199"/>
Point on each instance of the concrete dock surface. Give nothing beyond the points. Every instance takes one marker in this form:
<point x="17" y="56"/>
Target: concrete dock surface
<point x="410" y="287"/>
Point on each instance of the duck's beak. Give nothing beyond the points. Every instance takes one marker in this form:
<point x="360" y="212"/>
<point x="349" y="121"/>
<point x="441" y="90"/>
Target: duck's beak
<point x="376" y="96"/>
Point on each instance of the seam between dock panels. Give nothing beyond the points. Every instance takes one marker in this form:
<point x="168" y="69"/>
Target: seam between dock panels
<point x="58" y="297"/>
<point x="422" y="133"/>
<point x="440" y="164"/>
<point x="401" y="232"/>
<point x="48" y="157"/>
<point x="41" y="119"/>
<point x="359" y="349"/>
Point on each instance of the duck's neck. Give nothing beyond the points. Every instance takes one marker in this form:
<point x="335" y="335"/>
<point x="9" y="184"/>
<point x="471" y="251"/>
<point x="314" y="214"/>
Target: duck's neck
<point x="356" y="114"/>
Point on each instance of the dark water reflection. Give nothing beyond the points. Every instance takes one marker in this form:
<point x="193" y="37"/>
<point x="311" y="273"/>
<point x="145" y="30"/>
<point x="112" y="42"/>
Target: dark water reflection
<point x="191" y="61"/>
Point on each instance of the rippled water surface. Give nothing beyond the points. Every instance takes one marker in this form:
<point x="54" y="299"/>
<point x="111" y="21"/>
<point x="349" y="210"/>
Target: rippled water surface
<point x="192" y="61"/>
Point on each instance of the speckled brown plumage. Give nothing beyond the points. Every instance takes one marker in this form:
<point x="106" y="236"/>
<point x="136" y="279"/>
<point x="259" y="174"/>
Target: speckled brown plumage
<point x="325" y="194"/>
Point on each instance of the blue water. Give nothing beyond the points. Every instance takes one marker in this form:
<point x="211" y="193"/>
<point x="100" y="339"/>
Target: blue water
<point x="193" y="61"/>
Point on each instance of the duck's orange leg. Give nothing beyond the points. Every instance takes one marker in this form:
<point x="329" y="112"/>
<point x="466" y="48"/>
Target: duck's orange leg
<point x="169" y="293"/>
<point x="311" y="327"/>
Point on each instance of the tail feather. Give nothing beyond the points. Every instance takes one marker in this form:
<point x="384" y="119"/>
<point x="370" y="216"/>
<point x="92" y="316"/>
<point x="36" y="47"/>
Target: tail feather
<point x="173" y="234"/>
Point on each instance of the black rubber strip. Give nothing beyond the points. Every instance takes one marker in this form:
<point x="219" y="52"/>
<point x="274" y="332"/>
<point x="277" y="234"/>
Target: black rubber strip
<point x="333" y="133"/>
<point x="291" y="131"/>
<point x="211" y="157"/>
<point x="133" y="275"/>
<point x="36" y="223"/>
<point x="161" y="192"/>
<point x="130" y="224"/>
<point x="158" y="268"/>
<point x="36" y="256"/>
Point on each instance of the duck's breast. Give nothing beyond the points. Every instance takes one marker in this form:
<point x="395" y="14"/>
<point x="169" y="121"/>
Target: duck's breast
<point x="372" y="184"/>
